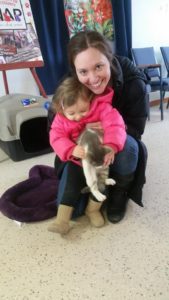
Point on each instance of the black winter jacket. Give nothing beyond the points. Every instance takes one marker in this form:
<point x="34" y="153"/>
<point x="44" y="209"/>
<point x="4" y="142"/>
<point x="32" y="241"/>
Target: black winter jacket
<point x="130" y="98"/>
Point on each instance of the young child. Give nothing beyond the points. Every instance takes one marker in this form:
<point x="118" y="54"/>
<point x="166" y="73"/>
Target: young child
<point x="77" y="107"/>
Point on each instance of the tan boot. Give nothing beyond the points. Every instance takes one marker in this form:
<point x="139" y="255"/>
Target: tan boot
<point x="94" y="214"/>
<point x="61" y="224"/>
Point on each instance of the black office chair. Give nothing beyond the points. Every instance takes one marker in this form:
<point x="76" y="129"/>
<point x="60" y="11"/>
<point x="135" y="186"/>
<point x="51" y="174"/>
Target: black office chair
<point x="165" y="55"/>
<point x="145" y="59"/>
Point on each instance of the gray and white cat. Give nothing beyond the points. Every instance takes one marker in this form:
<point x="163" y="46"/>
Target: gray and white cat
<point x="95" y="173"/>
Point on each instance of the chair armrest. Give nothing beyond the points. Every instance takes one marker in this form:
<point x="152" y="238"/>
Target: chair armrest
<point x="152" y="66"/>
<point x="149" y="66"/>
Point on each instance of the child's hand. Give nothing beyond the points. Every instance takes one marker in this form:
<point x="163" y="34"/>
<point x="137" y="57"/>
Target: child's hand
<point x="109" y="158"/>
<point x="79" y="152"/>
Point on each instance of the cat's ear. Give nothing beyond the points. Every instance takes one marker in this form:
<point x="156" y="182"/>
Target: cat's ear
<point x="99" y="134"/>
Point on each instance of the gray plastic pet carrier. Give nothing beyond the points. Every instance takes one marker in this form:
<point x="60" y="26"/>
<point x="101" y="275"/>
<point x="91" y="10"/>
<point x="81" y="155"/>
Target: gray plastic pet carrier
<point x="23" y="126"/>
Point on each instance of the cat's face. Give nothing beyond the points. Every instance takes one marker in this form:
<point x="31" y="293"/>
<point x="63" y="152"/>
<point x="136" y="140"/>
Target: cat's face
<point x="91" y="140"/>
<point x="96" y="156"/>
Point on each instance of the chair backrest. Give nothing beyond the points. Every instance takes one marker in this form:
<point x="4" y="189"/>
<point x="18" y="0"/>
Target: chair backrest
<point x="165" y="54"/>
<point x="145" y="56"/>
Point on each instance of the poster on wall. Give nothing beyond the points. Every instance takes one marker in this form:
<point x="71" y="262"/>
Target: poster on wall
<point x="18" y="38"/>
<point x="89" y="15"/>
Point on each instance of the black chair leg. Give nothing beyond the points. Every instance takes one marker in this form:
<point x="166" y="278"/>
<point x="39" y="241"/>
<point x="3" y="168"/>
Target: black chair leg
<point x="148" y="107"/>
<point x="167" y="104"/>
<point x="161" y="105"/>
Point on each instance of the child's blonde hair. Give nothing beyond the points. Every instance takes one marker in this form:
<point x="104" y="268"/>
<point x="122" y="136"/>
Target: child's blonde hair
<point x="67" y="94"/>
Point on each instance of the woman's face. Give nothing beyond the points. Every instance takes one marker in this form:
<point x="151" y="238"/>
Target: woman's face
<point x="93" y="70"/>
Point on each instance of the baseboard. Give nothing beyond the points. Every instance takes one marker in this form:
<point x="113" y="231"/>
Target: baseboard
<point x="157" y="102"/>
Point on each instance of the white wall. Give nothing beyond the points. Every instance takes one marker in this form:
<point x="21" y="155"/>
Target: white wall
<point x="19" y="81"/>
<point x="150" y="22"/>
<point x="150" y="28"/>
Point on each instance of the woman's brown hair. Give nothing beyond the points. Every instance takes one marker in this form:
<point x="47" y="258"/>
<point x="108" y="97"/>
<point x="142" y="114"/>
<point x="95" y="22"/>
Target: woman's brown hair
<point x="88" y="39"/>
<point x="68" y="93"/>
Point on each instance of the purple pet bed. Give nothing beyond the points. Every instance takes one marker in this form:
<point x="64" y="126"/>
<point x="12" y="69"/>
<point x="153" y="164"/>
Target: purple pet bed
<point x="33" y="199"/>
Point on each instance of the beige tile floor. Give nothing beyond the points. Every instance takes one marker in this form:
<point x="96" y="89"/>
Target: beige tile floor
<point x="126" y="261"/>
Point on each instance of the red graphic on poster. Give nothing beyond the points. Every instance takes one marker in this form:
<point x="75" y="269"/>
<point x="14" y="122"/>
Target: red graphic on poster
<point x="89" y="15"/>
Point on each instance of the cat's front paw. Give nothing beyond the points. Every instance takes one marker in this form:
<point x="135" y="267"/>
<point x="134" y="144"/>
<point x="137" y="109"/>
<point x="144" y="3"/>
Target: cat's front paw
<point x="110" y="181"/>
<point x="99" y="196"/>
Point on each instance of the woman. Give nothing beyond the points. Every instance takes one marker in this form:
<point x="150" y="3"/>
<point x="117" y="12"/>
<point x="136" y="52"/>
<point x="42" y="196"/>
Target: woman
<point x="92" y="62"/>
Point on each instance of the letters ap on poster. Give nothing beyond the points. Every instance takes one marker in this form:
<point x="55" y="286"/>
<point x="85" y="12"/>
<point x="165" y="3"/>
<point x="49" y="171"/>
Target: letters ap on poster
<point x="12" y="14"/>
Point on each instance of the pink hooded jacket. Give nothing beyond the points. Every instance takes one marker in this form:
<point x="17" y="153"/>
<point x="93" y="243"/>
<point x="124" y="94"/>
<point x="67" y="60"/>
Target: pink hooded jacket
<point x="64" y="133"/>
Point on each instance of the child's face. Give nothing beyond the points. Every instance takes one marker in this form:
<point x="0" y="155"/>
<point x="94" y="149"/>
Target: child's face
<point x="77" y="111"/>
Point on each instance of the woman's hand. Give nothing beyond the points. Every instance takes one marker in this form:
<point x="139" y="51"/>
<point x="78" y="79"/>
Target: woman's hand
<point x="109" y="158"/>
<point x="78" y="152"/>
